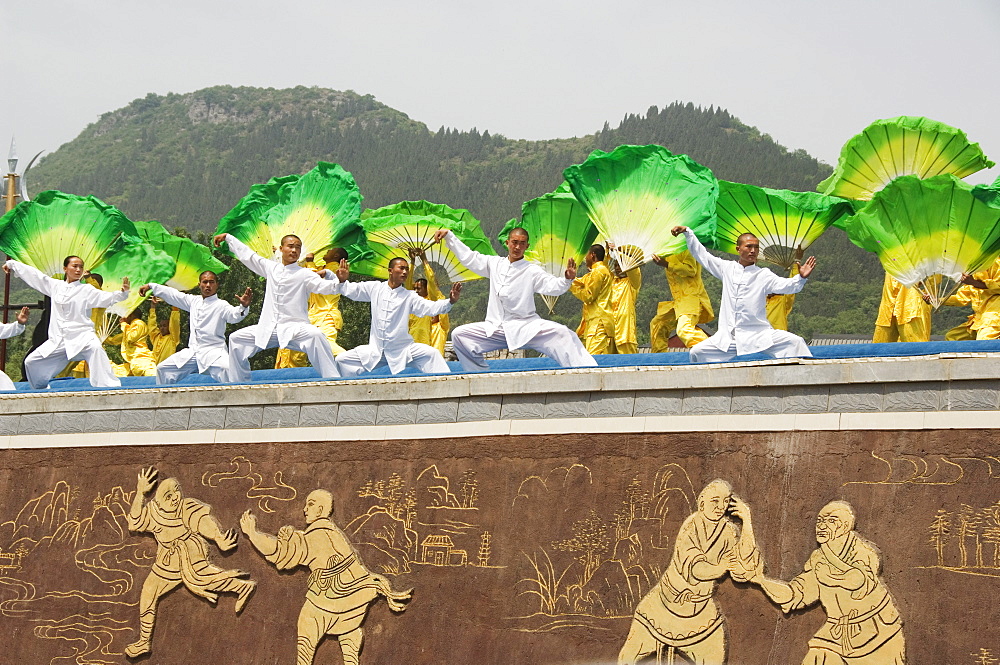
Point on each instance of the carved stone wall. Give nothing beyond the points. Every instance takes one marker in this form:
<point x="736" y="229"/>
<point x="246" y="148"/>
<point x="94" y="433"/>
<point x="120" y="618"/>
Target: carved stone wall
<point x="519" y="549"/>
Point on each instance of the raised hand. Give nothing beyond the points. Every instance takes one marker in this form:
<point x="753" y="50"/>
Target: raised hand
<point x="6" y="269"/>
<point x="246" y="298"/>
<point x="145" y="480"/>
<point x="660" y="261"/>
<point x="343" y="271"/>
<point x="227" y="540"/>
<point x="144" y="289"/>
<point x="570" y="269"/>
<point x="807" y="267"/>
<point x="439" y="235"/>
<point x="677" y="230"/>
<point x="248" y="523"/>
<point x="219" y="239"/>
<point x="125" y="284"/>
<point x="22" y="315"/>
<point x="456" y="291"/>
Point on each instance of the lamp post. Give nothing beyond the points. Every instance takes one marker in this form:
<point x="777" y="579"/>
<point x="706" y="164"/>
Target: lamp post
<point x="10" y="200"/>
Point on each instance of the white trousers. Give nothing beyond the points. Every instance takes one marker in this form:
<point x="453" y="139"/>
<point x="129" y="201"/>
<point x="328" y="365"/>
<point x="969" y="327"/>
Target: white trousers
<point x="419" y="356"/>
<point x="50" y="358"/>
<point x="6" y="383"/>
<point x="307" y="338"/>
<point x="784" y="345"/>
<point x="554" y="340"/>
<point x="183" y="363"/>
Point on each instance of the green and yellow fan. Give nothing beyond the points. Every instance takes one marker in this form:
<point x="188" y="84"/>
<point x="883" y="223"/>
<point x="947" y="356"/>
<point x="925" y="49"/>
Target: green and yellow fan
<point x="322" y="208"/>
<point x="907" y="145"/>
<point x="191" y="258"/>
<point x="782" y="220"/>
<point x="636" y="194"/>
<point x="44" y="231"/>
<point x="927" y="233"/>
<point x="141" y="263"/>
<point x="395" y="229"/>
<point x="558" y="230"/>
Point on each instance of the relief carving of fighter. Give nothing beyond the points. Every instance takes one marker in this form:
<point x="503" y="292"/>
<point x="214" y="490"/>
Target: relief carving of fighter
<point x="339" y="589"/>
<point x="862" y="626"/>
<point x="182" y="528"/>
<point x="679" y="614"/>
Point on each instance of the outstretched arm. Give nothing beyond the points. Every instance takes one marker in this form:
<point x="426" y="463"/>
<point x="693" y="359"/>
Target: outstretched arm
<point x="247" y="256"/>
<point x="144" y="483"/>
<point x="474" y="261"/>
<point x="31" y="276"/>
<point x="712" y="264"/>
<point x="209" y="527"/>
<point x="264" y="543"/>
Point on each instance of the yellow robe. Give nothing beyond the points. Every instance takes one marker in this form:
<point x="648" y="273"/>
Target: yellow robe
<point x="984" y="322"/>
<point x="424" y="329"/>
<point x="903" y="316"/>
<point x="779" y="305"/>
<point x="138" y="359"/>
<point x="164" y="346"/>
<point x="624" y="291"/>
<point x="689" y="307"/>
<point x="324" y="313"/>
<point x="597" y="322"/>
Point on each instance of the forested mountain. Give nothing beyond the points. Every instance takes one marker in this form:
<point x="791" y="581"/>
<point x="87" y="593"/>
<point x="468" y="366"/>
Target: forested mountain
<point x="186" y="159"/>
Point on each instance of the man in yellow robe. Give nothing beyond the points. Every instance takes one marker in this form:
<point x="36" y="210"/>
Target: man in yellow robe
<point x="137" y="359"/>
<point x="779" y="305"/>
<point x="430" y="330"/>
<point x="903" y="316"/>
<point x="982" y="292"/>
<point x="624" y="292"/>
<point x="324" y="313"/>
<point x="165" y="335"/>
<point x="689" y="307"/>
<point x="594" y="290"/>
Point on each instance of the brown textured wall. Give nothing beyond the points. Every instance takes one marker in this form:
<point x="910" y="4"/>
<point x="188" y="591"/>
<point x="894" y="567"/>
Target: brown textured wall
<point x="602" y="511"/>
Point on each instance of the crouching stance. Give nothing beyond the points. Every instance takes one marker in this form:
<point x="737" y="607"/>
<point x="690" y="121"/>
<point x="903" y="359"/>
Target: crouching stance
<point x="284" y="317"/>
<point x="339" y="589"/>
<point x="206" y="351"/>
<point x="71" y="330"/>
<point x="389" y="342"/>
<point x="511" y="320"/>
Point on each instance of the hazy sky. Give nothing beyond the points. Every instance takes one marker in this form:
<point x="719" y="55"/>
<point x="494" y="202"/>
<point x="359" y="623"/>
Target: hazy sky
<point x="810" y="74"/>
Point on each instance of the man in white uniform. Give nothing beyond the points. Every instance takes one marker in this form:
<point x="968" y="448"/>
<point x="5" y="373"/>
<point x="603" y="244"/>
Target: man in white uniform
<point x="71" y="330"/>
<point x="206" y="351"/>
<point x="284" y="317"/>
<point x="511" y="320"/>
<point x="743" y="324"/>
<point x="390" y="342"/>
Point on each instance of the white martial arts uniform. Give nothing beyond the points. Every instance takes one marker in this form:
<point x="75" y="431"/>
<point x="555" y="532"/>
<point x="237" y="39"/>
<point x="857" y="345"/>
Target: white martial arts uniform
<point x="284" y="316"/>
<point x="206" y="351"/>
<point x="71" y="331"/>
<point x="743" y="324"/>
<point x="8" y="330"/>
<point x="390" y="342"/>
<point x="511" y="320"/>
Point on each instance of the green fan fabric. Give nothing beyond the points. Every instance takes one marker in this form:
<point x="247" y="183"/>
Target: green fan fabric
<point x="922" y="228"/>
<point x="44" y="231"/>
<point x="191" y="258"/>
<point x="636" y="194"/>
<point x="395" y="229"/>
<point x="141" y="263"/>
<point x="907" y="145"/>
<point x="322" y="208"/>
<point x="558" y="230"/>
<point x="782" y="220"/>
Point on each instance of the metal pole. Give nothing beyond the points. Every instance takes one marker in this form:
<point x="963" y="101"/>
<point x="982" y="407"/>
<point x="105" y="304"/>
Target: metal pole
<point x="11" y="201"/>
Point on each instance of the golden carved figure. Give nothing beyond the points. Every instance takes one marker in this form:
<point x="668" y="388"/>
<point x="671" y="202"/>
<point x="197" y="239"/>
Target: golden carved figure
<point x="862" y="626"/>
<point x="182" y="528"/>
<point x="679" y="613"/>
<point x="339" y="589"/>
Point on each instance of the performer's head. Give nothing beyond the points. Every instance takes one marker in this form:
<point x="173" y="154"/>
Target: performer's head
<point x="714" y="499"/>
<point x="333" y="257"/>
<point x="420" y="286"/>
<point x="595" y="254"/>
<point x="73" y="267"/>
<point x="291" y="248"/>
<point x="93" y="278"/>
<point x="168" y="495"/>
<point x="748" y="247"/>
<point x="399" y="268"/>
<point x="319" y="505"/>
<point x="164" y="326"/>
<point x="835" y="519"/>
<point x="517" y="243"/>
<point x="208" y="284"/>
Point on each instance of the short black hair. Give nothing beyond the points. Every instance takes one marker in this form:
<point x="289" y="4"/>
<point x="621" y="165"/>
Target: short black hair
<point x="208" y="272"/>
<point x="339" y="254"/>
<point x="739" y="240"/>
<point x="70" y="258"/>
<point x="519" y="229"/>
<point x="397" y="258"/>
<point x="97" y="277"/>
<point x="598" y="251"/>
<point x="290" y="235"/>
<point x="420" y="281"/>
